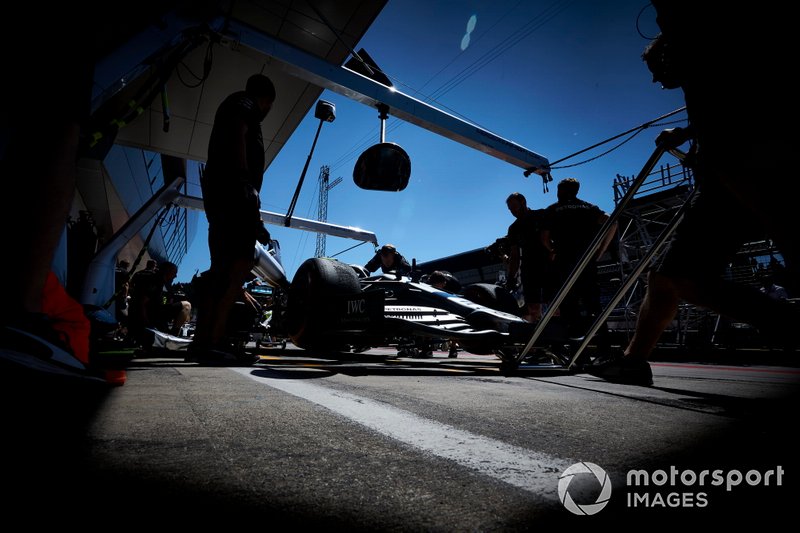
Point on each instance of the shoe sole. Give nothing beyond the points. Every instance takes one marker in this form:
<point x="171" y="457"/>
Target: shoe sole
<point x="36" y="366"/>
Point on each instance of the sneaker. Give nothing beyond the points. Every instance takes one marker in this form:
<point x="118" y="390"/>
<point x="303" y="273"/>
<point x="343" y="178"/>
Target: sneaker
<point x="623" y="370"/>
<point x="34" y="336"/>
<point x="31" y="351"/>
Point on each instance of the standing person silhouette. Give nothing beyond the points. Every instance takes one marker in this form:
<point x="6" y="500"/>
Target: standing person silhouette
<point x="569" y="226"/>
<point x="527" y="256"/>
<point x="231" y="186"/>
<point x="40" y="138"/>
<point x="719" y="57"/>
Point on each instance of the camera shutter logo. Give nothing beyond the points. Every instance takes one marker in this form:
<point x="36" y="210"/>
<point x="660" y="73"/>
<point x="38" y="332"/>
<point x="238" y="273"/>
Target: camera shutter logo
<point x="584" y="468"/>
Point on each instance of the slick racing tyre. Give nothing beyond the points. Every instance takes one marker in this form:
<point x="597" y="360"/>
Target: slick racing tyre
<point x="492" y="296"/>
<point x="315" y="284"/>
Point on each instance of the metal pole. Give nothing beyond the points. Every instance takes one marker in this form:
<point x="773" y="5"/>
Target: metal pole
<point x="289" y="213"/>
<point x="592" y="250"/>
<point x="383" y="114"/>
<point x="632" y="279"/>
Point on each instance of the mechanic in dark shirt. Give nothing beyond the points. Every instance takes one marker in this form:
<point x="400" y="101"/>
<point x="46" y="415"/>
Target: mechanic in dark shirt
<point x="149" y="268"/>
<point x="568" y="228"/>
<point x="739" y="164"/>
<point x="122" y="286"/>
<point x="231" y="184"/>
<point x="389" y="260"/>
<point x="528" y="256"/>
<point x="153" y="304"/>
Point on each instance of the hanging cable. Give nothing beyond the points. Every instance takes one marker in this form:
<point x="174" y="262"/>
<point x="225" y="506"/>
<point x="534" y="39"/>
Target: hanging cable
<point x="348" y="249"/>
<point x="637" y="129"/>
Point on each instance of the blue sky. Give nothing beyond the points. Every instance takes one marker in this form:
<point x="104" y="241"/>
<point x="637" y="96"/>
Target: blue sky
<point x="553" y="76"/>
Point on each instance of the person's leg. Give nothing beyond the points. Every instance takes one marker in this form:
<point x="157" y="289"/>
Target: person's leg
<point x="708" y="234"/>
<point x="570" y="308"/>
<point x="776" y="319"/>
<point x="50" y="194"/>
<point x="221" y="288"/>
<point x="532" y="280"/>
<point x="656" y="312"/>
<point x="204" y="287"/>
<point x="211" y="284"/>
<point x="181" y="316"/>
<point x="40" y="122"/>
<point x="592" y="307"/>
<point x="39" y="136"/>
<point x="230" y="290"/>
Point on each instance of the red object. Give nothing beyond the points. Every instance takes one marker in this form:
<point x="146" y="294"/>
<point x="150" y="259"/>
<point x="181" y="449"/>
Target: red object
<point x="116" y="377"/>
<point x="67" y="316"/>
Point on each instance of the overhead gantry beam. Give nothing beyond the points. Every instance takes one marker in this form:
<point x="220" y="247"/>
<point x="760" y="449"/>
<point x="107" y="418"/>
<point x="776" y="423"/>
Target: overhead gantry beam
<point x="276" y="219"/>
<point x="353" y="85"/>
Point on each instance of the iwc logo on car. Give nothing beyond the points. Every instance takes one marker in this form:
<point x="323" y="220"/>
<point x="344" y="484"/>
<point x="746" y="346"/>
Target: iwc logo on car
<point x="570" y="486"/>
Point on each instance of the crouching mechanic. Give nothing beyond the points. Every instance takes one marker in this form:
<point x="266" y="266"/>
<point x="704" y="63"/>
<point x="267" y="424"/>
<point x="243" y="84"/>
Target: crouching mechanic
<point x="388" y="259"/>
<point x="154" y="305"/>
<point x="231" y="184"/>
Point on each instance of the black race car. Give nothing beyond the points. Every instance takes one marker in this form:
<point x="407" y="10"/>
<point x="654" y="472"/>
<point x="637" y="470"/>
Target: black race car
<point x="334" y="306"/>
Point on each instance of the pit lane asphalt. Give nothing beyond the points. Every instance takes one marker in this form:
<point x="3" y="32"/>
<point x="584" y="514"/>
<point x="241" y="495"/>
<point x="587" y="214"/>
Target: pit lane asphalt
<point x="350" y="443"/>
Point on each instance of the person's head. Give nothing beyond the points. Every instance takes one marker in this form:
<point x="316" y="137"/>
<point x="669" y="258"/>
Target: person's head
<point x="517" y="204"/>
<point x="387" y="252"/>
<point x="662" y="63"/>
<point x="442" y="279"/>
<point x="261" y="88"/>
<point x="568" y="189"/>
<point x="437" y="279"/>
<point x="168" y="271"/>
<point x="151" y="264"/>
<point x="123" y="264"/>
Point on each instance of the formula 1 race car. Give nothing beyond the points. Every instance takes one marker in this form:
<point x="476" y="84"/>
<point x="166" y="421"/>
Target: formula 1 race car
<point x="333" y="306"/>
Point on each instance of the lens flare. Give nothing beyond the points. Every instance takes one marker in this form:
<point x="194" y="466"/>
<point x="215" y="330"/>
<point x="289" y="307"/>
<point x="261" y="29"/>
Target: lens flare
<point x="471" y="23"/>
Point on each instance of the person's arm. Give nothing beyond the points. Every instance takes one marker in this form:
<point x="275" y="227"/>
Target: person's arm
<point x="402" y="265"/>
<point x="239" y="146"/>
<point x="513" y="265"/>
<point x="545" y="224"/>
<point x="612" y="231"/>
<point x="547" y="242"/>
<point x="372" y="264"/>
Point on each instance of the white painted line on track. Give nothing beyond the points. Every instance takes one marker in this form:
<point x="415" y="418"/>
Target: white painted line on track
<point x="526" y="469"/>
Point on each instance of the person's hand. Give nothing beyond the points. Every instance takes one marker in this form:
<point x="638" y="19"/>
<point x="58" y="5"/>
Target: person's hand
<point x="673" y="137"/>
<point x="262" y="234"/>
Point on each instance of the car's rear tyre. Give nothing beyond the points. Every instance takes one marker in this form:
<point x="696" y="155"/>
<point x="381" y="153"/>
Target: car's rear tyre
<point x="492" y="296"/>
<point x="315" y="284"/>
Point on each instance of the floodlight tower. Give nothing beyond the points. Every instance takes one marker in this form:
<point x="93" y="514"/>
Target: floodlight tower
<point x="324" y="187"/>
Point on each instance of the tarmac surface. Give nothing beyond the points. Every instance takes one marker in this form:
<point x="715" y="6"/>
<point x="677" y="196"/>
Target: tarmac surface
<point x="365" y="442"/>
